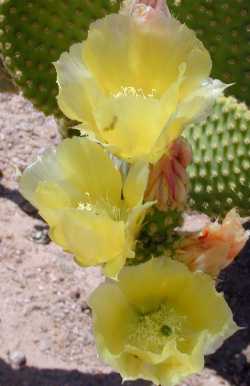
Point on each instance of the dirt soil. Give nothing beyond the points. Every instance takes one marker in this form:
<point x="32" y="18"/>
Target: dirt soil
<point x="44" y="317"/>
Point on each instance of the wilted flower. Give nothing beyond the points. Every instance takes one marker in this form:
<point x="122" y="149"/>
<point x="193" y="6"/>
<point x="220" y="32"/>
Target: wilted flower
<point x="137" y="80"/>
<point x="165" y="320"/>
<point x="168" y="179"/>
<point x="215" y="246"/>
<point x="78" y="191"/>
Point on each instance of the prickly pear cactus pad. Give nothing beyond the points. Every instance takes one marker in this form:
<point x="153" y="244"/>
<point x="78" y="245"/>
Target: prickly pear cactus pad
<point x="34" y="33"/>
<point x="224" y="28"/>
<point x="220" y="171"/>
<point x="6" y="83"/>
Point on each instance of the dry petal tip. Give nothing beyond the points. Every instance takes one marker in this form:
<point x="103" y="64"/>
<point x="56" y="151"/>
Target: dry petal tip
<point x="215" y="246"/>
<point x="145" y="9"/>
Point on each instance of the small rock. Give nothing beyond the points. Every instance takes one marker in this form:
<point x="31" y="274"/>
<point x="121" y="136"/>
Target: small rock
<point x="75" y="294"/>
<point x="19" y="260"/>
<point x="85" y="307"/>
<point x="87" y="338"/>
<point x="33" y="307"/>
<point x="40" y="234"/>
<point x="17" y="359"/>
<point x="44" y="345"/>
<point x="44" y="328"/>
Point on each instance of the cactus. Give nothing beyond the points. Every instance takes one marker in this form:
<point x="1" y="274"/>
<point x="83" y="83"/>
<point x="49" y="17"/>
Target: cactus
<point x="6" y="83"/>
<point x="224" y="28"/>
<point x="157" y="234"/>
<point x="219" y="177"/>
<point x="220" y="172"/>
<point x="34" y="33"/>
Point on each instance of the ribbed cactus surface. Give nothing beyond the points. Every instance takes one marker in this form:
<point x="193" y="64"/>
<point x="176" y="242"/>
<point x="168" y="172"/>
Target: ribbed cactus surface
<point x="224" y="28"/>
<point x="33" y="34"/>
<point x="157" y="234"/>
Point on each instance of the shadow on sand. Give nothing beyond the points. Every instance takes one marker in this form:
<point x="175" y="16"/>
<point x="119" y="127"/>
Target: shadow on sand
<point x="15" y="196"/>
<point x="229" y="361"/>
<point x="31" y="376"/>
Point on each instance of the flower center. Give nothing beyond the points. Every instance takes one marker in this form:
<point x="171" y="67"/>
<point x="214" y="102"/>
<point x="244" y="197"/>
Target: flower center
<point x="102" y="207"/>
<point x="137" y="92"/>
<point x="151" y="331"/>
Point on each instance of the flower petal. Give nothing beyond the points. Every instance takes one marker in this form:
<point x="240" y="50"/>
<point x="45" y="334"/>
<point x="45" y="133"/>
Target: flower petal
<point x="141" y="285"/>
<point x="89" y="236"/>
<point x="45" y="168"/>
<point x="134" y="222"/>
<point x="82" y="168"/>
<point x="111" y="317"/>
<point x="135" y="184"/>
<point x="139" y="50"/>
<point x="150" y="296"/>
<point x="130" y="124"/>
<point x="88" y="167"/>
<point x="197" y="104"/>
<point x="75" y="85"/>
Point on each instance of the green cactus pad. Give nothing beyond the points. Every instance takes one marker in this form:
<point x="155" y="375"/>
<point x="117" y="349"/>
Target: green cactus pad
<point x="224" y="28"/>
<point x="157" y="234"/>
<point x="6" y="83"/>
<point x="34" y="33"/>
<point x="220" y="172"/>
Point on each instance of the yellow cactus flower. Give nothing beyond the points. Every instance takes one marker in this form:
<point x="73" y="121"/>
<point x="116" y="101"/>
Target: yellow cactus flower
<point x="91" y="212"/>
<point x="137" y="80"/>
<point x="165" y="319"/>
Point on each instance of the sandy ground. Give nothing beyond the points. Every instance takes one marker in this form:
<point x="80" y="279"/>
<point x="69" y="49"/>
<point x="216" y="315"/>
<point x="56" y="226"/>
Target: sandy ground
<point x="43" y="311"/>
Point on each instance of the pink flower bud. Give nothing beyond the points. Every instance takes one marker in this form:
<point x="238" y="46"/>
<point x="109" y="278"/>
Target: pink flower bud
<point x="168" y="179"/>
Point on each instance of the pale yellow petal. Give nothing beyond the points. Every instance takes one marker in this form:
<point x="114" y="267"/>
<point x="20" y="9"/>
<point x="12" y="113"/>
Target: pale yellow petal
<point x="112" y="316"/>
<point x="170" y="133"/>
<point x="139" y="50"/>
<point x="134" y="126"/>
<point x="134" y="223"/>
<point x="130" y="124"/>
<point x="195" y="106"/>
<point x="76" y="85"/>
<point x="180" y="365"/>
<point x="45" y="168"/>
<point x="80" y="167"/>
<point x="113" y="267"/>
<point x="135" y="184"/>
<point x="198" y="103"/>
<point x="92" y="238"/>
<point x="192" y="302"/>
<point x="141" y="285"/>
<point x="51" y="195"/>
<point x="198" y="68"/>
<point x="88" y="167"/>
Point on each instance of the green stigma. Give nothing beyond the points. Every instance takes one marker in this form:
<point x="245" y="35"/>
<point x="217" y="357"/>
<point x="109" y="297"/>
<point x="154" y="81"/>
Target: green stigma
<point x="151" y="331"/>
<point x="166" y="330"/>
